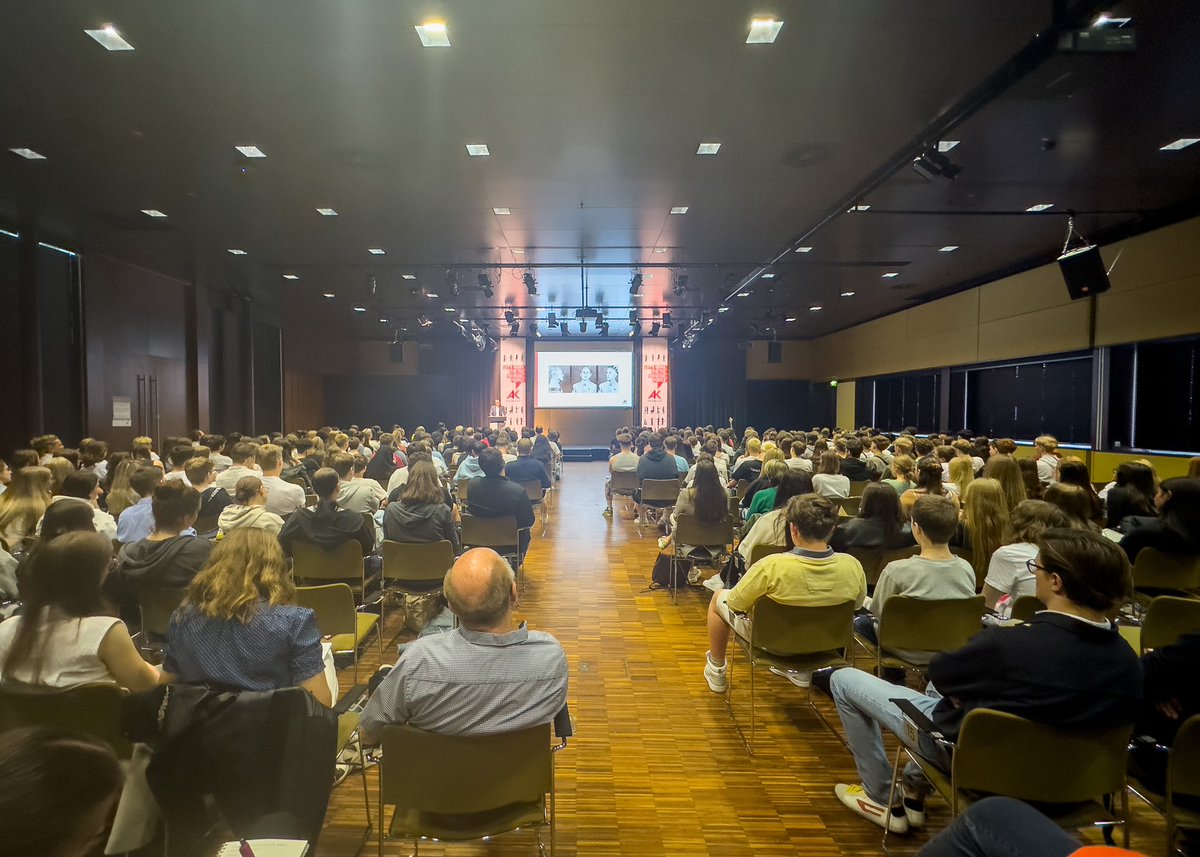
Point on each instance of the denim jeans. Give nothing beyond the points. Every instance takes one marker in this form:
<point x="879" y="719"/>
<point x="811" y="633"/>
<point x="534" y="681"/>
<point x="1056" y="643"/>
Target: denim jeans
<point x="1001" y="827"/>
<point x="864" y="704"/>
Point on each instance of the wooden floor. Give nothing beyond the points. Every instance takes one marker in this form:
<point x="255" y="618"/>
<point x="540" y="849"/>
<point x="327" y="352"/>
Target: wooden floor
<point x="656" y="767"/>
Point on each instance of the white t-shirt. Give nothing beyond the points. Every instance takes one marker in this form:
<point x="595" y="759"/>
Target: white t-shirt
<point x="69" y="654"/>
<point x="802" y="464"/>
<point x="283" y="498"/>
<point x="831" y="485"/>
<point x="1008" y="573"/>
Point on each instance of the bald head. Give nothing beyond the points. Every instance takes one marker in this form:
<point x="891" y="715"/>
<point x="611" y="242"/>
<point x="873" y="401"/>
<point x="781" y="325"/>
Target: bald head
<point x="481" y="589"/>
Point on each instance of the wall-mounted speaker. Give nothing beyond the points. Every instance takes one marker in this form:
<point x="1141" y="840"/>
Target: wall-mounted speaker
<point x="1083" y="272"/>
<point x="774" y="352"/>
<point x="396" y="352"/>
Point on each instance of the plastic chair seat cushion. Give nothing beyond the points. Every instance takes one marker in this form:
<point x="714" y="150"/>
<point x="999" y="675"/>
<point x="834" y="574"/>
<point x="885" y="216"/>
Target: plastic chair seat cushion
<point x="347" y="642"/>
<point x="461" y="827"/>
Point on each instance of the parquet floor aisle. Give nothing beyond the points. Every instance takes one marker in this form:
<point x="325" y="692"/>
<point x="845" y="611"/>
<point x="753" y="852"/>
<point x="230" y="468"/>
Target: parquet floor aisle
<point x="656" y="767"/>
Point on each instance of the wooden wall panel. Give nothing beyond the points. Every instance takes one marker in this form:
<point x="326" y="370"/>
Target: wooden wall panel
<point x="795" y="365"/>
<point x="303" y="400"/>
<point x="845" y="404"/>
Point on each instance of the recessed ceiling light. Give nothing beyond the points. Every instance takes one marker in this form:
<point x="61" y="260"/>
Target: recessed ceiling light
<point x="501" y="211"/>
<point x="679" y="209"/>
<point x="763" y="31"/>
<point x="28" y="153"/>
<point x="890" y="274"/>
<point x="327" y="212"/>
<point x="330" y="295"/>
<point x="431" y="295"/>
<point x="360" y="309"/>
<point x="854" y="208"/>
<point x="723" y="309"/>
<point x="251" y="151"/>
<point x="8" y="234"/>
<point x="847" y="294"/>
<point x="790" y="319"/>
<point x="383" y="321"/>
<point x="518" y="251"/>
<point x="408" y="276"/>
<point x="291" y="276"/>
<point x="449" y="309"/>
<point x="478" y="150"/>
<point x="236" y="252"/>
<point x="1181" y="143"/>
<point x="660" y="249"/>
<point x="1041" y="206"/>
<point x="814" y="308"/>
<point x="708" y="148"/>
<point x="109" y="38"/>
<point x="1106" y="19"/>
<point x="434" y="34"/>
<point x="769" y="275"/>
<point x="803" y="249"/>
<point x="376" y="251"/>
<point x="744" y="294"/>
<point x="949" y="248"/>
<point x="946" y="145"/>
<point x="152" y="212"/>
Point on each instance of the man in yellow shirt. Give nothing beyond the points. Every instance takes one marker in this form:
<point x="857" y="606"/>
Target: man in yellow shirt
<point x="809" y="575"/>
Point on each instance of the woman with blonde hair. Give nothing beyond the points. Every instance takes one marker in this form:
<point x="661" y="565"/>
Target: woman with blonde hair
<point x="902" y="469"/>
<point x="121" y="495"/>
<point x="60" y="468"/>
<point x="1047" y="460"/>
<point x="962" y="474"/>
<point x="1006" y="470"/>
<point x="928" y="481"/>
<point x="985" y="521"/>
<point x="23" y="504"/>
<point x="237" y="627"/>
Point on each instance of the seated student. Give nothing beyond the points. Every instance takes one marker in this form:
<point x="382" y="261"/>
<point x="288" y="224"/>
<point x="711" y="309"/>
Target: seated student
<point x="237" y="627"/>
<point x="326" y="524"/>
<point x="421" y="511"/>
<point x="771" y="527"/>
<point x="828" y="481"/>
<point x="899" y="475"/>
<point x="671" y="445"/>
<point x="1177" y="527"/>
<point x="880" y="522"/>
<point x="798" y="460"/>
<point x="1067" y="667"/>
<point x="494" y="496"/>
<point x="749" y="466"/>
<point x="760" y="496"/>
<point x="243" y="454"/>
<point x="985" y="522"/>
<point x="283" y="497"/>
<point x="310" y="454"/>
<point x="655" y="464"/>
<point x="85" y="488"/>
<point x="468" y="463"/>
<point x="526" y="468"/>
<point x="249" y="509"/>
<point x="178" y="458"/>
<point x="1008" y="573"/>
<point x="63" y="639"/>
<point x="1074" y="503"/>
<point x="203" y="476"/>
<point x="166" y="559"/>
<point x="713" y="448"/>
<point x="933" y="575"/>
<point x="1047" y="460"/>
<point x="23" y="505"/>
<point x="707" y="500"/>
<point x="929" y="481"/>
<point x="137" y="521"/>
<point x="216" y="446"/>
<point x="356" y="493"/>
<point x="852" y="466"/>
<point x="1170" y="696"/>
<point x="810" y="575"/>
<point x="1072" y="471"/>
<point x="1006" y="470"/>
<point x="1131" y="493"/>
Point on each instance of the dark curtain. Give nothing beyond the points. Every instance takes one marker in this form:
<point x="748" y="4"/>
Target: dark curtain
<point x="789" y="404"/>
<point x="708" y="384"/>
<point x="469" y="379"/>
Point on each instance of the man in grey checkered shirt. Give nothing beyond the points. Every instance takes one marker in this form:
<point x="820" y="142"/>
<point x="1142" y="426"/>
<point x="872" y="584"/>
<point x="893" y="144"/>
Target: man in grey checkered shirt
<point x="481" y="678"/>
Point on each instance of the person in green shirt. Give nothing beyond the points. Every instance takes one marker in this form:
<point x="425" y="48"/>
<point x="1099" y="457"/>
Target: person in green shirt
<point x="764" y="498"/>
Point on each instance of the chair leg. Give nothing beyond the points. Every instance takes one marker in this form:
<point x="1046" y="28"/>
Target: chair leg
<point x="892" y="793"/>
<point x="750" y="669"/>
<point x="1125" y="819"/>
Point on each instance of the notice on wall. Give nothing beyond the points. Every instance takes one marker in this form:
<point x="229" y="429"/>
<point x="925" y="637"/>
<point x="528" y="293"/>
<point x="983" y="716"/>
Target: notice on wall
<point x="512" y="382"/>
<point x="656" y="383"/>
<point x="122" y="413"/>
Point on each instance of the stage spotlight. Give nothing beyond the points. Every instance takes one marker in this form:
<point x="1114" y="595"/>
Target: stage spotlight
<point x="564" y="328"/>
<point x="666" y="320"/>
<point x="514" y="328"/>
<point x="635" y="284"/>
<point x="485" y="283"/>
<point x="932" y="164"/>
<point x="423" y="320"/>
<point x="509" y="316"/>
<point x="583" y="327"/>
<point x="552" y="321"/>
<point x="452" y="282"/>
<point x="495" y="346"/>
<point x="603" y="328"/>
<point x="681" y="282"/>
<point x="654" y="328"/>
<point x="536" y="332"/>
<point x="530" y="283"/>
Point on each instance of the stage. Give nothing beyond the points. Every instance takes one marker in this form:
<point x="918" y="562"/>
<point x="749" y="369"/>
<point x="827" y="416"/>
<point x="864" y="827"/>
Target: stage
<point x="585" y="453"/>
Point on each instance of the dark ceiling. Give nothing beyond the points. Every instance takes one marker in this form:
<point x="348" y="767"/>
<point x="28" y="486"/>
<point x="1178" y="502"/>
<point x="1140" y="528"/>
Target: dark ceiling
<point x="592" y="113"/>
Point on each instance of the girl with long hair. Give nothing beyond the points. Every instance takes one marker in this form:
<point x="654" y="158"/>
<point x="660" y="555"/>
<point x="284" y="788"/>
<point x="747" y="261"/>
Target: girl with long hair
<point x="771" y="528"/>
<point x="828" y="481"/>
<point x="1072" y="471"/>
<point x="1008" y="574"/>
<point x="1029" y="476"/>
<point x="1074" y="503"/>
<point x="421" y="513"/>
<point x="121" y="495"/>
<point x="928" y="481"/>
<point x="1133" y="493"/>
<point x="23" y="504"/>
<point x="962" y="473"/>
<point x="237" y="627"/>
<point x="706" y="499"/>
<point x="985" y="520"/>
<point x="880" y="522"/>
<point x="1005" y="469"/>
<point x="1177" y="527"/>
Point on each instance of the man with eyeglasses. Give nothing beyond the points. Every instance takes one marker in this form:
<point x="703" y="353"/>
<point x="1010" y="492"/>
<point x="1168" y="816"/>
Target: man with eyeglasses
<point x="1066" y="667"/>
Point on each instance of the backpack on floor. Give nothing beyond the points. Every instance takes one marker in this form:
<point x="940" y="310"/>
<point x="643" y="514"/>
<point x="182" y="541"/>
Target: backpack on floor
<point x="661" y="575"/>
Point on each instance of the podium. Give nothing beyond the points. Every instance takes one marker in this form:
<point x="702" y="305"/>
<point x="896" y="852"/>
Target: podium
<point x="497" y="423"/>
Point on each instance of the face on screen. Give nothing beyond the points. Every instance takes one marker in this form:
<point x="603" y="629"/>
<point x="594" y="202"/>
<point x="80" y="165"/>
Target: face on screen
<point x="610" y="374"/>
<point x="585" y="374"/>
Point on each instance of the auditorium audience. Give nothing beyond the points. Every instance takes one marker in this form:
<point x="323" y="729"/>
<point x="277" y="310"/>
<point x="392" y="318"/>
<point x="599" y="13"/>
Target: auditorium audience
<point x="421" y="512"/>
<point x="1176" y="529"/>
<point x="928" y="481"/>
<point x="880" y="523"/>
<point x="137" y="521"/>
<point x="249" y="509"/>
<point x="828" y="481"/>
<point x="494" y="496"/>
<point x="23" y="505"/>
<point x="84" y="489"/>
<point x="985" y="522"/>
<point x="283" y="497"/>
<point x="326" y="525"/>
<point x="525" y="468"/>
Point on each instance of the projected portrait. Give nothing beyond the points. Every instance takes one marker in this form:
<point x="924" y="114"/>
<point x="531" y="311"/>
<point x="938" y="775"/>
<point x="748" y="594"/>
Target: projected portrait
<point x="555" y="382"/>
<point x="583" y="382"/>
<point x="612" y="380"/>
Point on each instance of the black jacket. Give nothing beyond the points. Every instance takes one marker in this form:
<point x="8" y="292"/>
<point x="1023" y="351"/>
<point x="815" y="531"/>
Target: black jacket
<point x="854" y="470"/>
<point x="419" y="522"/>
<point x="213" y="501"/>
<point x="327" y="527"/>
<point x="526" y="469"/>
<point x="169" y="564"/>
<point x="750" y="469"/>
<point x="497" y="497"/>
<point x="656" y="464"/>
<point x="1053" y="669"/>
<point x="867" y="533"/>
<point x="1146" y="532"/>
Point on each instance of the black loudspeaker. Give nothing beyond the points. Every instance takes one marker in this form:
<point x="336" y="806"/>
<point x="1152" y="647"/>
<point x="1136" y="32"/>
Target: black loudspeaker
<point x="1083" y="272"/>
<point x="396" y="351"/>
<point x="774" y="352"/>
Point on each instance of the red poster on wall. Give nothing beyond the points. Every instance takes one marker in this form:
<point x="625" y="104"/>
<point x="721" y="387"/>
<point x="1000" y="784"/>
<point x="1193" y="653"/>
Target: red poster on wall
<point x="656" y="386"/>
<point x="512" y="382"/>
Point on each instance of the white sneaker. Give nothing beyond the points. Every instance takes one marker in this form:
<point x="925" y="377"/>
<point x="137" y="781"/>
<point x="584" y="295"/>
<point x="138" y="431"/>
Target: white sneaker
<point x="799" y="679"/>
<point x="914" y="814"/>
<point x="855" y="797"/>
<point x="714" y="675"/>
<point x="693" y="577"/>
<point x="662" y="543"/>
<point x="714" y="583"/>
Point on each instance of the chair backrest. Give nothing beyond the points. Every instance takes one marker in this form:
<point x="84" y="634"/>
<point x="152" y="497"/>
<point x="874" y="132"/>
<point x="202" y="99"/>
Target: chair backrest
<point x="1025" y="606"/>
<point x="660" y="489"/>
<point x="1167" y="619"/>
<point x="894" y="554"/>
<point x="1183" y="765"/>
<point x="735" y="507"/>
<point x="743" y="485"/>
<point x="464" y="773"/>
<point x="1154" y="569"/>
<point x="369" y="522"/>
<point x="623" y="482"/>
<point x="1004" y="754"/>
<point x="849" y="505"/>
<point x="205" y="525"/>
<point x="463" y="489"/>
<point x="345" y="562"/>
<point x="310" y="499"/>
<point x="533" y="490"/>
<point x="857" y="487"/>
<point x="689" y="531"/>
<point x="334" y="605"/>
<point x="489" y="532"/>
<point x="94" y="709"/>
<point x="929" y="626"/>
<point x="760" y="550"/>
<point x="784" y="629"/>
<point x="869" y="559"/>
<point x="156" y="606"/>
<point x="420" y="561"/>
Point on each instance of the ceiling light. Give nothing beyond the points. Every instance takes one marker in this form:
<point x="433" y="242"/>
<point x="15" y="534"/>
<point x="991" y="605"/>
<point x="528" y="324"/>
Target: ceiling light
<point x="708" y="148"/>
<point x="449" y="309"/>
<point x="431" y="295"/>
<point x="763" y="31"/>
<point x="251" y="151"/>
<point x="408" y="276"/>
<point x="376" y="251"/>
<point x="8" y="234"/>
<point x="723" y="309"/>
<point x="1106" y="19"/>
<point x="1181" y="143"/>
<point x="744" y="294"/>
<point x="235" y="252"/>
<point x="291" y="276"/>
<point x="478" y="150"/>
<point x="434" y="34"/>
<point x="847" y="294"/>
<point x="949" y="248"/>
<point x="327" y="212"/>
<point x="679" y="209"/>
<point x="383" y="321"/>
<point x="28" y="153"/>
<point x="330" y="295"/>
<point x="854" y="208"/>
<point x="945" y="146"/>
<point x="814" y="308"/>
<point x="501" y="211"/>
<point x="56" y="248"/>
<point x="1041" y="206"/>
<point x="530" y="282"/>
<point x="109" y="38"/>
<point x="518" y="252"/>
<point x="768" y="275"/>
<point x="890" y="274"/>
<point x="660" y="249"/>
<point x="152" y="212"/>
<point x="360" y="309"/>
<point x="790" y="319"/>
<point x="635" y="283"/>
<point x="803" y="249"/>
